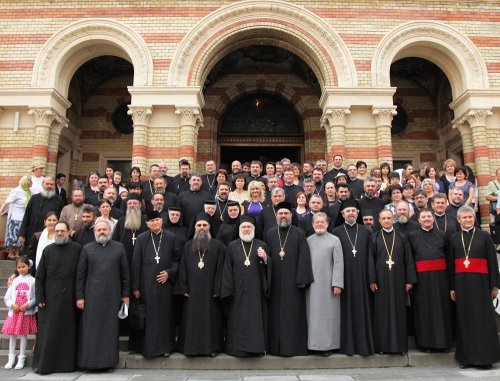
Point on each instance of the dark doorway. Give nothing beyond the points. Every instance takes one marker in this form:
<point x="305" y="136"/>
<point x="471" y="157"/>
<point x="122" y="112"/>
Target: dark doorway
<point x="262" y="153"/>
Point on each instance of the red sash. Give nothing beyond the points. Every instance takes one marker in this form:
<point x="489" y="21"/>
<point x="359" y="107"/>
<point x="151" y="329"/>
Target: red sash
<point x="430" y="265"/>
<point x="476" y="265"/>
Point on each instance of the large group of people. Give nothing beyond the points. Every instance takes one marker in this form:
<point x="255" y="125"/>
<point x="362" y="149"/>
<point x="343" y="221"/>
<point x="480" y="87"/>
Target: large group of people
<point x="275" y="258"/>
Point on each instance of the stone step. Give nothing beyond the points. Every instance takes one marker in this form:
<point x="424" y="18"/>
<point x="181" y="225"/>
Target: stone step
<point x="6" y="272"/>
<point x="4" y="342"/>
<point x="225" y="362"/>
<point x="8" y="264"/>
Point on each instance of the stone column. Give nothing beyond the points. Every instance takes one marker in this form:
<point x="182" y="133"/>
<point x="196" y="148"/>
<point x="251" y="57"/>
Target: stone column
<point x="383" y="118"/>
<point x="140" y="117"/>
<point x="334" y="121"/>
<point x="467" y="145"/>
<point x="477" y="122"/>
<point x="44" y="118"/>
<point x="191" y="120"/>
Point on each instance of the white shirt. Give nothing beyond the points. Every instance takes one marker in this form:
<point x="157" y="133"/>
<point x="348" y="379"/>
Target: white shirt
<point x="16" y="201"/>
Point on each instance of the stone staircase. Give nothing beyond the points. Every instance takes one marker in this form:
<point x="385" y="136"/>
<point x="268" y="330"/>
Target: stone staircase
<point x="222" y="362"/>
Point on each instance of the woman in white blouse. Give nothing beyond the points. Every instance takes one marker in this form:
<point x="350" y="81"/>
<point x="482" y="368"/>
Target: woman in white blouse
<point x="16" y="204"/>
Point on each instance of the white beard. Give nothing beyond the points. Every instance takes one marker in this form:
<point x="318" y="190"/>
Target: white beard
<point x="247" y="237"/>
<point x="133" y="219"/>
<point x="402" y="219"/>
<point x="320" y="231"/>
<point x="102" y="239"/>
<point x="47" y="193"/>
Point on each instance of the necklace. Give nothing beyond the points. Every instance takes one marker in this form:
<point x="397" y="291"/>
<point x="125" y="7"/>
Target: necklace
<point x="210" y="185"/>
<point x="218" y="207"/>
<point x="318" y="191"/>
<point x="133" y="238"/>
<point x="76" y="210"/>
<point x="467" y="252"/>
<point x="445" y="223"/>
<point x="282" y="247"/>
<point x="247" y="257"/>
<point x="390" y="262"/>
<point x="354" y="251"/>
<point x="201" y="264"/>
<point x="157" y="251"/>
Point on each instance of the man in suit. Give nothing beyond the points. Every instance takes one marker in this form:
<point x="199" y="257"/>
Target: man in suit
<point x="60" y="180"/>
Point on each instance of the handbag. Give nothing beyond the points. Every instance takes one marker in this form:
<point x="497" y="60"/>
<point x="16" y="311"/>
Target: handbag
<point x="137" y="315"/>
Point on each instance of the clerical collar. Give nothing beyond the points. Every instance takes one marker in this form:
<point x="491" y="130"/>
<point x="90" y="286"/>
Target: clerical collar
<point x="156" y="234"/>
<point x="439" y="215"/>
<point x="468" y="230"/>
<point x="351" y="225"/>
<point x="387" y="230"/>
<point x="427" y="230"/>
<point x="366" y="196"/>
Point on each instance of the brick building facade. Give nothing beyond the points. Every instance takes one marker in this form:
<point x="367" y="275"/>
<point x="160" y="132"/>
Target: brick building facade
<point x="343" y="67"/>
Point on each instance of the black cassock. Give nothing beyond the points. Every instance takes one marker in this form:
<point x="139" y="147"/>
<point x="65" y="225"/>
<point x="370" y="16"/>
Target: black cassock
<point x="356" y="324"/>
<point x="477" y="338"/>
<point x="287" y="302"/>
<point x="128" y="237"/>
<point x="228" y="231"/>
<point x="191" y="202"/>
<point x="102" y="279"/>
<point x="159" y="332"/>
<point x="84" y="235"/>
<point x="246" y="289"/>
<point x="56" y="340"/>
<point x="201" y="324"/>
<point x="431" y="305"/>
<point x="389" y="301"/>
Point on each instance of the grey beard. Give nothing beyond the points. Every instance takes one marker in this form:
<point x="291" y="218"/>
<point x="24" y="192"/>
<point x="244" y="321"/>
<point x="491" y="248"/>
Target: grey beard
<point x="350" y="220"/>
<point x="102" y="239"/>
<point x="133" y="219"/>
<point x="222" y="197"/>
<point x="47" y="193"/>
<point x="402" y="219"/>
<point x="320" y="231"/>
<point x="247" y="237"/>
<point x="158" y="208"/>
<point x="284" y="223"/>
<point x="201" y="241"/>
<point x="61" y="240"/>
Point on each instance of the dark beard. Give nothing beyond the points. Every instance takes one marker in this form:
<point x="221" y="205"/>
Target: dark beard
<point x="201" y="241"/>
<point x="133" y="219"/>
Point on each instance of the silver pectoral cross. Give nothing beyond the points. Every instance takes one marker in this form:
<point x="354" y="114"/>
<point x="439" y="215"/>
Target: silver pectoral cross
<point x="157" y="259"/>
<point x="354" y="251"/>
<point x="133" y="239"/>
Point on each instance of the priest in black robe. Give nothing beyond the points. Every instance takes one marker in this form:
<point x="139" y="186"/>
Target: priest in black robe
<point x="394" y="278"/>
<point x="431" y="300"/>
<point x="403" y="223"/>
<point x="56" y="339"/>
<point x="356" y="323"/>
<point x="228" y="231"/>
<point x="291" y="274"/>
<point x="245" y="287"/>
<point x="199" y="282"/>
<point x="443" y="221"/>
<point x="154" y="269"/>
<point x="130" y="226"/>
<point x="85" y="234"/>
<point x="102" y="284"/>
<point x="475" y="280"/>
<point x="191" y="201"/>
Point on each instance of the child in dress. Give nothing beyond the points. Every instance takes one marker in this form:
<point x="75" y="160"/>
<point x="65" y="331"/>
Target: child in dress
<point x="21" y="320"/>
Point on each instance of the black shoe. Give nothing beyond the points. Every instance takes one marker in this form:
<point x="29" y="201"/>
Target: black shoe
<point x="464" y="366"/>
<point x="446" y="350"/>
<point x="327" y="353"/>
<point x="485" y="367"/>
<point x="214" y="354"/>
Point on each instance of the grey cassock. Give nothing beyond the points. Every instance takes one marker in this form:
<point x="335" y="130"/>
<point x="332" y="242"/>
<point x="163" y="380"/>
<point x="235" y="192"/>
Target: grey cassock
<point x="323" y="308"/>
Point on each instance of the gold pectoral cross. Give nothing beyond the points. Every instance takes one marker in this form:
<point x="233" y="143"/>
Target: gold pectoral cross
<point x="390" y="262"/>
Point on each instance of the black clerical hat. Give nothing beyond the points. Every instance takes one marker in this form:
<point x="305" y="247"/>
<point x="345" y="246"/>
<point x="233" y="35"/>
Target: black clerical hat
<point x="233" y="203"/>
<point x="368" y="212"/>
<point x="202" y="216"/>
<point x="174" y="209"/>
<point x="350" y="203"/>
<point x="134" y="196"/>
<point x="209" y="202"/>
<point x="246" y="218"/>
<point x="284" y="205"/>
<point x="152" y="215"/>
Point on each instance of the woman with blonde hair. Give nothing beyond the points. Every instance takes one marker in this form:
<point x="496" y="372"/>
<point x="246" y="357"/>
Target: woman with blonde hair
<point x="256" y="200"/>
<point x="449" y="167"/>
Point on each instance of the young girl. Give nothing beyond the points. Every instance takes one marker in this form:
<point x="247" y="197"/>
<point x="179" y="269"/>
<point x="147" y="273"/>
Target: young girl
<point x="21" y="320"/>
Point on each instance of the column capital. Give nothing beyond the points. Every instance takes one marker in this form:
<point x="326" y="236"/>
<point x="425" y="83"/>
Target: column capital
<point x="190" y="116"/>
<point x="335" y="116"/>
<point x="476" y="117"/>
<point x="383" y="115"/>
<point x="140" y="114"/>
<point x="46" y="116"/>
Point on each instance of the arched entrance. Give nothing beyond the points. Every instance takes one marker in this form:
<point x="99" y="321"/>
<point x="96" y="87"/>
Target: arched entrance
<point x="261" y="102"/>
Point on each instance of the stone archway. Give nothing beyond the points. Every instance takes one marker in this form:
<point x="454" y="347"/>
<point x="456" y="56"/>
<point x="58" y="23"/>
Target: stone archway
<point x="271" y="22"/>
<point x="83" y="40"/>
<point x="453" y="52"/>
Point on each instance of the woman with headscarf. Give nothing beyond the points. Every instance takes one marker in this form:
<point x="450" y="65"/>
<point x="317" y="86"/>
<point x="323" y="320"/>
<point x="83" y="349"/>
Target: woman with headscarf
<point x="228" y="230"/>
<point x="174" y="224"/>
<point x="16" y="204"/>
